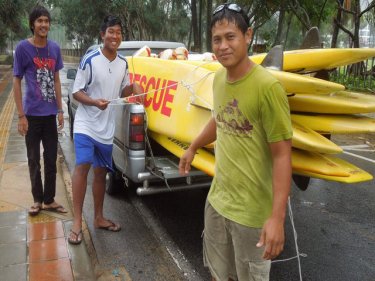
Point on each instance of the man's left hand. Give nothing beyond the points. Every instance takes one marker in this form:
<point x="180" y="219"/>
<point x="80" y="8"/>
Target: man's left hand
<point x="272" y="238"/>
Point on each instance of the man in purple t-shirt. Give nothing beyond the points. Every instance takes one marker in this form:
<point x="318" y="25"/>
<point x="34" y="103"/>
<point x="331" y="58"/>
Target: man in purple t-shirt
<point x="39" y="61"/>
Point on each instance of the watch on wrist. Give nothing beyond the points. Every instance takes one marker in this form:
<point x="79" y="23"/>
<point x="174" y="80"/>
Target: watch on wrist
<point x="60" y="111"/>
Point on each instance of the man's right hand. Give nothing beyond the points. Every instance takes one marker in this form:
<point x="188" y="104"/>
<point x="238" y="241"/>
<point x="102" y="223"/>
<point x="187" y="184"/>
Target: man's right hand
<point x="23" y="126"/>
<point x="185" y="161"/>
<point x="101" y="104"/>
<point x="207" y="136"/>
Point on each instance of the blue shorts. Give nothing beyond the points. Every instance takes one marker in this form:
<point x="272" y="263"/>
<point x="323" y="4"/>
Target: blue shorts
<point x="90" y="151"/>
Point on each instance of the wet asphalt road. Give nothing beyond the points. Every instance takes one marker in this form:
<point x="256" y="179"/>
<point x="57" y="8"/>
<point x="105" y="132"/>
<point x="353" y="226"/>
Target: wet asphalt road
<point x="334" y="223"/>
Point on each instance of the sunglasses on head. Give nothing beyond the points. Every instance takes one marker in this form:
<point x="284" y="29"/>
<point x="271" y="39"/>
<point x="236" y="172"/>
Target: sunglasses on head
<point x="230" y="6"/>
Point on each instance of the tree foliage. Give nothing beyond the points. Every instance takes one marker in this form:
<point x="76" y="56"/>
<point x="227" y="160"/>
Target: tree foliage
<point x="273" y="21"/>
<point x="14" y="23"/>
<point x="348" y="19"/>
<point x="142" y="20"/>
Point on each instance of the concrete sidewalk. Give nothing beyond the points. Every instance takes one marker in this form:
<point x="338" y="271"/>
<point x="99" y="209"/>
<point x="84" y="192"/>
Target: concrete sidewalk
<point x="33" y="248"/>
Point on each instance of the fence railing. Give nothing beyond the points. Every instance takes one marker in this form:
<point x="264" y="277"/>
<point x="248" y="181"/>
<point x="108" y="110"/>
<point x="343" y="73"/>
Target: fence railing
<point x="72" y="52"/>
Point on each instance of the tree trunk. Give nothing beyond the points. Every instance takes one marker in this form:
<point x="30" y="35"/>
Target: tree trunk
<point x="280" y="25"/>
<point x="336" y="28"/>
<point x="200" y="25"/>
<point x="208" y="25"/>
<point x="287" y="29"/>
<point x="194" y="22"/>
<point x="357" y="23"/>
<point x="321" y="13"/>
<point x="190" y="33"/>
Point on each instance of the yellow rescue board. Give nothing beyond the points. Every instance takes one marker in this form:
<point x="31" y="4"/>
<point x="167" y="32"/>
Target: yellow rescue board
<point x="355" y="174"/>
<point x="171" y="103"/>
<point x="308" y="60"/>
<point x="203" y="160"/>
<point x="336" y="124"/>
<point x="170" y="88"/>
<point x="304" y="163"/>
<point x="342" y="102"/>
<point x="307" y="139"/>
<point x="317" y="163"/>
<point x="302" y="84"/>
<point x="292" y="83"/>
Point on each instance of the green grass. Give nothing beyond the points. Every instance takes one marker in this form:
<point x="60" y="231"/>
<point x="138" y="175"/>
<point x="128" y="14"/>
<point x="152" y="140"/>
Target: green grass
<point x="3" y="58"/>
<point x="6" y="59"/>
<point x="357" y="83"/>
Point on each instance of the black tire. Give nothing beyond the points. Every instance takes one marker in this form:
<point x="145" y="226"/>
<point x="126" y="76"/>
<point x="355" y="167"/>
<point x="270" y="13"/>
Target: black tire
<point x="113" y="183"/>
<point x="71" y="122"/>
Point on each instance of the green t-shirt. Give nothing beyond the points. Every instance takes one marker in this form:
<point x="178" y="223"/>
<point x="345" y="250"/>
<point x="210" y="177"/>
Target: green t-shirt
<point x="250" y="114"/>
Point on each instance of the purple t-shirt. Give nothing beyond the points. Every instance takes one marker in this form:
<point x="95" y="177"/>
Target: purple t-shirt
<point x="38" y="65"/>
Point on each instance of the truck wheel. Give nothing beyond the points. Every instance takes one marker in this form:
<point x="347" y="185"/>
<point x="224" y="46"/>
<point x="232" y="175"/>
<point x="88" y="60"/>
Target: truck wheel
<point x="71" y="122"/>
<point x="112" y="183"/>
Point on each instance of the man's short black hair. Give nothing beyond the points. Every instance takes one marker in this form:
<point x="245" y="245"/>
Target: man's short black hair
<point x="239" y="18"/>
<point x="35" y="13"/>
<point x="109" y="21"/>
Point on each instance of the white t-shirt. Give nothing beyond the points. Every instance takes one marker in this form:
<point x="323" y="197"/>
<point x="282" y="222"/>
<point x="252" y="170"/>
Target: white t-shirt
<point x="99" y="78"/>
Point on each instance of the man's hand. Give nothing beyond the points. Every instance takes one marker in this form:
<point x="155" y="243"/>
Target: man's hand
<point x="60" y="120"/>
<point x="101" y="104"/>
<point x="23" y="126"/>
<point x="272" y="238"/>
<point x="137" y="90"/>
<point x="133" y="93"/>
<point x="185" y="161"/>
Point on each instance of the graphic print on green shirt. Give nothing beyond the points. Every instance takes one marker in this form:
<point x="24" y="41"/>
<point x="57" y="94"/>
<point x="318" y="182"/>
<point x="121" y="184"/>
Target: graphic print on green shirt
<point x="231" y="120"/>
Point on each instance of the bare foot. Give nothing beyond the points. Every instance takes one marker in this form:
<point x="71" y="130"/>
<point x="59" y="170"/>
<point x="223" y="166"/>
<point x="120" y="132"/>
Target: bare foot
<point x="107" y="225"/>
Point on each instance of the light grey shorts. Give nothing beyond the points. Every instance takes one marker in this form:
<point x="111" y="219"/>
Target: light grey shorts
<point x="229" y="249"/>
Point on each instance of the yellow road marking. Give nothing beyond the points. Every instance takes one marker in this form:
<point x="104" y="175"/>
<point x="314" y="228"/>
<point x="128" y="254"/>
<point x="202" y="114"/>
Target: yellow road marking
<point x="6" y="117"/>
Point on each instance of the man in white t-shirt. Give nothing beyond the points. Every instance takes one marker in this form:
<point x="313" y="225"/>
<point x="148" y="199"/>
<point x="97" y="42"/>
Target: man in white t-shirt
<point x="102" y="76"/>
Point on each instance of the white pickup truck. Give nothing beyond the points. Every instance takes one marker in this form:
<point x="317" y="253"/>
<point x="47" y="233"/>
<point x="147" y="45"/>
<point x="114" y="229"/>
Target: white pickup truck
<point x="139" y="161"/>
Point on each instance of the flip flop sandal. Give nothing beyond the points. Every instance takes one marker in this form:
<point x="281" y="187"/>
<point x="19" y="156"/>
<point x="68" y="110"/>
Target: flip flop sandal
<point x="35" y="209"/>
<point x="57" y="209"/>
<point x="75" y="238"/>
<point x="111" y="227"/>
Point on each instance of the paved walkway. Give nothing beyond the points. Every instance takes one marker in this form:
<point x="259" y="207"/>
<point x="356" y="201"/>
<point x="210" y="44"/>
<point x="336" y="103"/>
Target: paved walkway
<point x="32" y="248"/>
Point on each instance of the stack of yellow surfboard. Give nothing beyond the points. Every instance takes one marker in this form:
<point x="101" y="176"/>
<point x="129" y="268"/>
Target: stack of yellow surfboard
<point x="179" y="103"/>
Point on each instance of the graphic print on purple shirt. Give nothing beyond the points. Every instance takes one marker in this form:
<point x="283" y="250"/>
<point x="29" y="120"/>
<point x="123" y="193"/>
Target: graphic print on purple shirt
<point x="45" y="78"/>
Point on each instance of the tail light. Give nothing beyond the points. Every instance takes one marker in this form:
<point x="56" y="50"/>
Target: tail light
<point x="137" y="131"/>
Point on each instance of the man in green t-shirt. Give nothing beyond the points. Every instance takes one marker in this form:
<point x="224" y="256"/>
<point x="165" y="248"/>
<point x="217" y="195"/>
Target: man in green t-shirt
<point x="246" y="206"/>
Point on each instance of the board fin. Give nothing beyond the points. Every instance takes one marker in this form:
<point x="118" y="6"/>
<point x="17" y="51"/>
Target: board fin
<point x="302" y="182"/>
<point x="274" y="59"/>
<point x="312" y="39"/>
